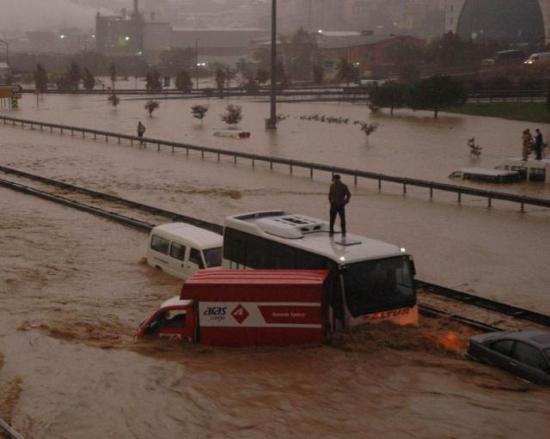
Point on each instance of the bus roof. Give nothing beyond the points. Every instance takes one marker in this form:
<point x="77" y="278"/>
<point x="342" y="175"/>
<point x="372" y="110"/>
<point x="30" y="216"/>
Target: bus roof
<point x="200" y="238"/>
<point x="312" y="235"/>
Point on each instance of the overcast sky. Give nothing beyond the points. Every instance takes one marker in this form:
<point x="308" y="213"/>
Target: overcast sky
<point x="41" y="14"/>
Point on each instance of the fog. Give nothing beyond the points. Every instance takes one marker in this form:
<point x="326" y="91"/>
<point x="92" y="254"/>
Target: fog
<point x="26" y="15"/>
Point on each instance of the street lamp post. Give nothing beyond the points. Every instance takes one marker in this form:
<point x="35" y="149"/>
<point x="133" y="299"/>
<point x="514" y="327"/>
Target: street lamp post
<point x="271" y="123"/>
<point x="197" y="62"/>
<point x="7" y="51"/>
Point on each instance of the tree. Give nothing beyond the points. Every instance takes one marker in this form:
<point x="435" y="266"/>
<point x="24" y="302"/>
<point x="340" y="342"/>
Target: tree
<point x="40" y="79"/>
<point x="73" y="76"/>
<point x="152" y="81"/>
<point x="233" y="114"/>
<point x="262" y="76"/>
<point x="220" y="79"/>
<point x="300" y="54"/>
<point x="367" y="128"/>
<point x="199" y="111"/>
<point x="112" y="74"/>
<point x="318" y="74"/>
<point x="183" y="81"/>
<point x="436" y="93"/>
<point x="346" y="71"/>
<point x="151" y="106"/>
<point x="388" y="95"/>
<point x="88" y="80"/>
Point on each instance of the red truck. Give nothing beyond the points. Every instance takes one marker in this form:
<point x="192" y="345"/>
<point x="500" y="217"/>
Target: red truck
<point x="245" y="308"/>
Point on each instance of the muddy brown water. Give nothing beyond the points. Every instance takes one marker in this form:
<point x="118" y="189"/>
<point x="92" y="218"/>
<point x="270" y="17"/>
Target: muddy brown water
<point x="73" y="288"/>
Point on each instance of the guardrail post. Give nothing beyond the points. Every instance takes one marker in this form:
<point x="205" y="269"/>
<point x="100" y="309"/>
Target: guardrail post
<point x="404" y="188"/>
<point x="379" y="184"/>
<point x="489" y="202"/>
<point x="51" y="130"/>
<point x="158" y="146"/>
<point x="290" y="169"/>
<point x="431" y="192"/>
<point x="253" y="163"/>
<point x="187" y="151"/>
<point x="83" y="134"/>
<point x="118" y="140"/>
<point x="218" y="157"/>
<point x="459" y="196"/>
<point x="355" y="180"/>
<point x="72" y="132"/>
<point x="311" y="173"/>
<point x="95" y="136"/>
<point x="107" y="138"/>
<point x="235" y="159"/>
<point x="522" y="207"/>
<point x="202" y="154"/>
<point x="271" y="165"/>
<point x="131" y="142"/>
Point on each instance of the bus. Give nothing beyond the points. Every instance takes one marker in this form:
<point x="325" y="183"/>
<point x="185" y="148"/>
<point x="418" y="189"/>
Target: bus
<point x="369" y="280"/>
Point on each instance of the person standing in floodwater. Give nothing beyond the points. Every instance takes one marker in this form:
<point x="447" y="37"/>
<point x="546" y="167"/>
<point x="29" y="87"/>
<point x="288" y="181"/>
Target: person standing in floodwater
<point x="140" y="131"/>
<point x="338" y="196"/>
<point x="539" y="142"/>
<point x="527" y="142"/>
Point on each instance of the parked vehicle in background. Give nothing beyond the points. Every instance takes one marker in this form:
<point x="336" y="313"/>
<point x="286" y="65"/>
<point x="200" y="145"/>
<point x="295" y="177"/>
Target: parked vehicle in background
<point x="523" y="353"/>
<point x="246" y="308"/>
<point x="181" y="249"/>
<point x="538" y="59"/>
<point x="509" y="57"/>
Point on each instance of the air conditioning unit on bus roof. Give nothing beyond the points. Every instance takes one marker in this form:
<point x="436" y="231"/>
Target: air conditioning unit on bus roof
<point x="292" y="226"/>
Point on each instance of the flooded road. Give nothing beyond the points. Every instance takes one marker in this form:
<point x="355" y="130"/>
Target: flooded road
<point x="73" y="288"/>
<point x="409" y="144"/>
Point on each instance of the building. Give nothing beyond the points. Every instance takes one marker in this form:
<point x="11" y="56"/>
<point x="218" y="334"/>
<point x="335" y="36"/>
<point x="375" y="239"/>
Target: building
<point x="371" y="54"/>
<point x="120" y="34"/>
<point x="519" y="22"/>
<point x="221" y="45"/>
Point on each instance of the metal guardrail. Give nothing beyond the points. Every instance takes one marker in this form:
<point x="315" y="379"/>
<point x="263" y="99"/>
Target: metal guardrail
<point x="291" y="163"/>
<point x="6" y="429"/>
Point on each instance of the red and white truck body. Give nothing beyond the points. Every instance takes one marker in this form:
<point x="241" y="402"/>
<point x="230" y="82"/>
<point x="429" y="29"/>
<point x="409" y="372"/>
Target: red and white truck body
<point x="246" y="308"/>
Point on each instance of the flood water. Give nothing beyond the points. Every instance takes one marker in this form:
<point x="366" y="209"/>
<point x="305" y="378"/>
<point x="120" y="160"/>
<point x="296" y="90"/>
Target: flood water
<point x="73" y="288"/>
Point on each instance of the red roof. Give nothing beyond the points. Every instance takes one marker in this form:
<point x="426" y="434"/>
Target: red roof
<point x="258" y="277"/>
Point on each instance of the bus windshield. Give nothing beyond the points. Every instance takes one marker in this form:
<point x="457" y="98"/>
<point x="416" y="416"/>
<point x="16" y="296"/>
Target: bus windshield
<point x="213" y="257"/>
<point x="373" y="286"/>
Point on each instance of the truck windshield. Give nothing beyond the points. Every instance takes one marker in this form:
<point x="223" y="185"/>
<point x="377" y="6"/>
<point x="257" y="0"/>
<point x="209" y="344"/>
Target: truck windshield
<point x="380" y="285"/>
<point x="213" y="257"/>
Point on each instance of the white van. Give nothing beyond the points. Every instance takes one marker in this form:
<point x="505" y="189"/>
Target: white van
<point x="181" y="249"/>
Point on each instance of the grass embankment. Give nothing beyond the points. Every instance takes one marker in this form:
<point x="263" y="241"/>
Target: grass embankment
<point x="525" y="111"/>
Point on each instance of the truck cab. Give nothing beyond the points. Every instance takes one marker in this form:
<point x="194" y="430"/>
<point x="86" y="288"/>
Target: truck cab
<point x="175" y="320"/>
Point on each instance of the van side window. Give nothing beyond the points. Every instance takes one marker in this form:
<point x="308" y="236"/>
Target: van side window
<point x="159" y="244"/>
<point x="177" y="251"/>
<point x="195" y="258"/>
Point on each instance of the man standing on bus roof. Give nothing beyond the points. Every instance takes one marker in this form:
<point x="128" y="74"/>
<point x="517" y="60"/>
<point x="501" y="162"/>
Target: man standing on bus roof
<point x="338" y="196"/>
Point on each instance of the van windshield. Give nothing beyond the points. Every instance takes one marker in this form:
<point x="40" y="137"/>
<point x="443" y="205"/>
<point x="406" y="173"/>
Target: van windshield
<point x="213" y="257"/>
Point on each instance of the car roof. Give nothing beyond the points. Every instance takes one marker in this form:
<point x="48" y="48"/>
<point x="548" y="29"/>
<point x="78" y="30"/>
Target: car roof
<point x="541" y="339"/>
<point x="196" y="236"/>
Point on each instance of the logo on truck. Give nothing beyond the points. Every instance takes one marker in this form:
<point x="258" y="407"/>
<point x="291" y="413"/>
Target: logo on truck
<point x="240" y="314"/>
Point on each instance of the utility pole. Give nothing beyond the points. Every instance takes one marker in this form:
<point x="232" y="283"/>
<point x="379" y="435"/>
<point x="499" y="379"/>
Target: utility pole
<point x="271" y="123"/>
<point x="197" y="62"/>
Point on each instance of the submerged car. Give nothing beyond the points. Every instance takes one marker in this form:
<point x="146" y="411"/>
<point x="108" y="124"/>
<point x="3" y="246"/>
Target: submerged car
<point x="523" y="353"/>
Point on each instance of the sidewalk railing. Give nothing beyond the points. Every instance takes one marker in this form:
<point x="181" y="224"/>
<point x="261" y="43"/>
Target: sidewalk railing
<point x="292" y="164"/>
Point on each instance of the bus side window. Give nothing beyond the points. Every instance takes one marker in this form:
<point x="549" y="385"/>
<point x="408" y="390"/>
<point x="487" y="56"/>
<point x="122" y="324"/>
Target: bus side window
<point x="177" y="251"/>
<point x="283" y="256"/>
<point x="195" y="258"/>
<point x="159" y="244"/>
<point x="234" y="246"/>
<point x="258" y="252"/>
